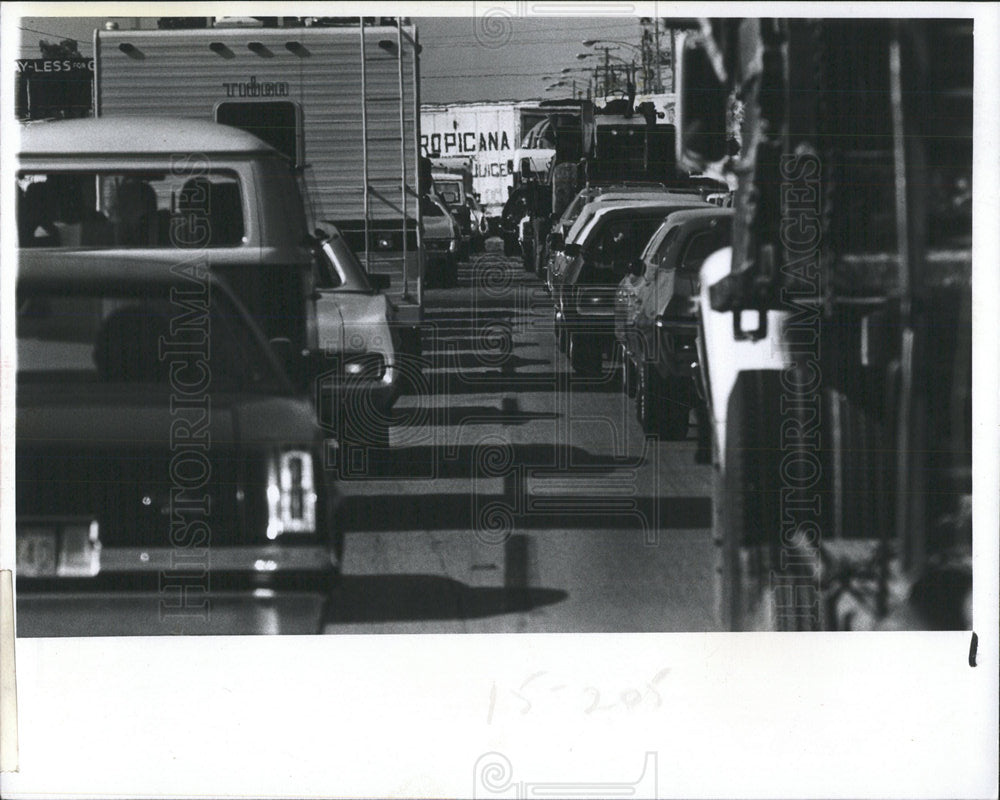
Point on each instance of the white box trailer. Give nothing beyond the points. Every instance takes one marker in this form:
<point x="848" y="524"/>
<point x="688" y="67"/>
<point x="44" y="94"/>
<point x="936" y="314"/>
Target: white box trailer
<point x="489" y="133"/>
<point x="341" y="104"/>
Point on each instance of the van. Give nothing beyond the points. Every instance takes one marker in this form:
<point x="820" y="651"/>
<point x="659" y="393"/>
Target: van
<point x="187" y="194"/>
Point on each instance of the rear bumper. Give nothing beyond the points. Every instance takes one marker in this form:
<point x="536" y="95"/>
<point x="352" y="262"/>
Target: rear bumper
<point x="200" y="569"/>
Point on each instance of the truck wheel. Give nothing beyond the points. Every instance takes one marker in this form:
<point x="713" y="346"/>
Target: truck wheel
<point x="528" y="259"/>
<point x="675" y="408"/>
<point x="646" y="399"/>
<point x="749" y="506"/>
<point x="449" y="276"/>
<point x="584" y="355"/>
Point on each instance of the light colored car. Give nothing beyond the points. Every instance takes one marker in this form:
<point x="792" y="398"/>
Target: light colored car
<point x="441" y="242"/>
<point x="656" y="320"/>
<point x="355" y="322"/>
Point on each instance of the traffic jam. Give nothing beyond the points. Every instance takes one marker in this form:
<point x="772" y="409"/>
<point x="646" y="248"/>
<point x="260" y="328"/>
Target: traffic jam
<point x="299" y="352"/>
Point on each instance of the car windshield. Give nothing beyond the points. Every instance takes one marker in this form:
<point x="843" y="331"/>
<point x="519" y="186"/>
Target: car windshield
<point x="614" y="245"/>
<point x="129" y="209"/>
<point x="148" y="335"/>
<point x="450" y="191"/>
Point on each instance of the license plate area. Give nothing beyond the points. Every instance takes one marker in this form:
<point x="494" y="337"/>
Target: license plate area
<point x="58" y="548"/>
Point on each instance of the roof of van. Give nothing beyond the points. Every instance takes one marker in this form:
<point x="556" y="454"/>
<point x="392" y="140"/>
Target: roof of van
<point x="135" y="136"/>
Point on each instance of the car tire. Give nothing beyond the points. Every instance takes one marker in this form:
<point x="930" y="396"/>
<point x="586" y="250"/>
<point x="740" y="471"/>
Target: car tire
<point x="749" y="508"/>
<point x="449" y="275"/>
<point x="646" y="399"/>
<point x="675" y="407"/>
<point x="528" y="260"/>
<point x="584" y="355"/>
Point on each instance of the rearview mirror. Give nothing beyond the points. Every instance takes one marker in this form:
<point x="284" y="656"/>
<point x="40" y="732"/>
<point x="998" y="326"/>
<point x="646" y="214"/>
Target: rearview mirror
<point x="702" y="101"/>
<point x="380" y="282"/>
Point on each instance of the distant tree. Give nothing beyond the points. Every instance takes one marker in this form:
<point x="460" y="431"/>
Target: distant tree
<point x="67" y="48"/>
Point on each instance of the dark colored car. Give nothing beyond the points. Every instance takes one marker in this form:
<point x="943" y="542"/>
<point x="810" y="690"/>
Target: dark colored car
<point x="595" y="265"/>
<point x="442" y="240"/>
<point x="160" y="443"/>
<point x="656" y="318"/>
<point x="559" y="236"/>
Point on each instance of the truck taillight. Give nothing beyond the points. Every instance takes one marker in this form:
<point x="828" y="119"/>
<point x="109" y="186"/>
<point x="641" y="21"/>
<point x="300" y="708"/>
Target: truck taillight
<point x="291" y="494"/>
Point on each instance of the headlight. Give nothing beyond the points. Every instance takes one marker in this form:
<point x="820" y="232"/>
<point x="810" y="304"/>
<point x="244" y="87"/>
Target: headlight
<point x="291" y="494"/>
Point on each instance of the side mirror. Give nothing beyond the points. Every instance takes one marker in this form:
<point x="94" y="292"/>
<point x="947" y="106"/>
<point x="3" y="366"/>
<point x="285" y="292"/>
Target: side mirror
<point x="573" y="249"/>
<point x="702" y="100"/>
<point x="637" y="267"/>
<point x="380" y="282"/>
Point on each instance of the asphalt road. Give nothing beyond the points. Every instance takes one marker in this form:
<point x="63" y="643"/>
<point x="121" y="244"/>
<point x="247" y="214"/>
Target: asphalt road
<point x="513" y="497"/>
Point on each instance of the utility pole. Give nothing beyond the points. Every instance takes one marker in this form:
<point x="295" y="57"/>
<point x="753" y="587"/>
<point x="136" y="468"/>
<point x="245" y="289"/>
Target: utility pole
<point x="656" y="52"/>
<point x="607" y="63"/>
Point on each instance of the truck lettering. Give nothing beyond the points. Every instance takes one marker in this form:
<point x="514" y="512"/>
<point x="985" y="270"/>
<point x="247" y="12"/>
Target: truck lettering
<point x="442" y="144"/>
<point x="253" y="88"/>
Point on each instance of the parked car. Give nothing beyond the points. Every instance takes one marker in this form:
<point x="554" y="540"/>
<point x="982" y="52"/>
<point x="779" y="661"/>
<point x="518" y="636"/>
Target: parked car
<point x="441" y="242"/>
<point x="155" y="424"/>
<point x="356" y="325"/>
<point x="656" y="318"/>
<point x="591" y="267"/>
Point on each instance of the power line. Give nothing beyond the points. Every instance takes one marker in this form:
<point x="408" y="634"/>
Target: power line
<point x="464" y="38"/>
<point x="48" y="33"/>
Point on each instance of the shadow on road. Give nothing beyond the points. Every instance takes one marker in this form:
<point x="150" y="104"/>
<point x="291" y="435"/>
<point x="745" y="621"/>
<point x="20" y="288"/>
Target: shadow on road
<point x="433" y="511"/>
<point x="398" y="598"/>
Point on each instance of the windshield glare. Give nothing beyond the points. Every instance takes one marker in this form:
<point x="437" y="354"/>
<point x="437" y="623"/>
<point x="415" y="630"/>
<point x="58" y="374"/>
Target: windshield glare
<point x="137" y="338"/>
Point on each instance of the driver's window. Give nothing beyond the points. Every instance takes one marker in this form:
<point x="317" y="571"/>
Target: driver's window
<point x="700" y="247"/>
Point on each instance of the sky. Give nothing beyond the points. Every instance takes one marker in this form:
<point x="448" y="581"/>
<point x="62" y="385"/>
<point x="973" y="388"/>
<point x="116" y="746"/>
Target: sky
<point x="463" y="59"/>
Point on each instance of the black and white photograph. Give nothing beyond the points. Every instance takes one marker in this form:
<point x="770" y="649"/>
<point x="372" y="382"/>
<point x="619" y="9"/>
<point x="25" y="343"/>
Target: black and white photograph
<point x="353" y="346"/>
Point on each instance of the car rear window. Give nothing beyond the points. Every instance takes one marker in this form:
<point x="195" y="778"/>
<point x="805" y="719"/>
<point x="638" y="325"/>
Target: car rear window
<point x="136" y="338"/>
<point x="129" y="209"/>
